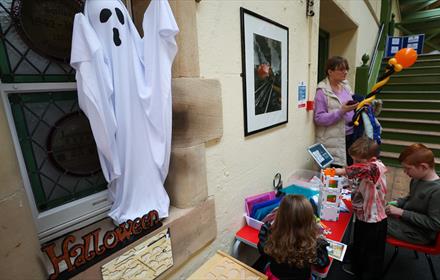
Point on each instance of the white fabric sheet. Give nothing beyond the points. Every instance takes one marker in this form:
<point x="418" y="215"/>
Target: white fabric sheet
<point x="124" y="88"/>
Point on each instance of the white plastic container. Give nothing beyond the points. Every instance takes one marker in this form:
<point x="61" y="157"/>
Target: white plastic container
<point x="256" y="224"/>
<point x="304" y="178"/>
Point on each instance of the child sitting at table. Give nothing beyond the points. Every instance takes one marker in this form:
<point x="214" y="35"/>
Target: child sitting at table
<point x="368" y="182"/>
<point x="291" y="244"/>
<point x="416" y="217"/>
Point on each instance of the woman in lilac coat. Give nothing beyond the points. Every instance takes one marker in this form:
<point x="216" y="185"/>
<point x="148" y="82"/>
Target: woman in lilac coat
<point x="333" y="114"/>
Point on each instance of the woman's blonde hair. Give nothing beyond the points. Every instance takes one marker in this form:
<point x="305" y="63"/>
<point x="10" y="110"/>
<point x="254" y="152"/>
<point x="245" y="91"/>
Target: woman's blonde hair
<point x="293" y="235"/>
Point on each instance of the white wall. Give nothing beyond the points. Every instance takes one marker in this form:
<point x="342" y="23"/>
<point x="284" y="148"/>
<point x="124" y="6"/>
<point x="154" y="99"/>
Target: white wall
<point x="237" y="166"/>
<point x="367" y="26"/>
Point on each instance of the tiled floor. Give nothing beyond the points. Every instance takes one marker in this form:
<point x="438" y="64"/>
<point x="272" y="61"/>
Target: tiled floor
<point x="404" y="267"/>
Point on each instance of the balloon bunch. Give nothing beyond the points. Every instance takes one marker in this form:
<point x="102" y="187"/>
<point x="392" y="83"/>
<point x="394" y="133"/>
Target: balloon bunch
<point x="404" y="58"/>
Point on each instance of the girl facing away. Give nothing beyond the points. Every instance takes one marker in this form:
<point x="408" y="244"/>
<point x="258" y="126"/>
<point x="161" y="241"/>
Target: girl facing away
<point x="292" y="243"/>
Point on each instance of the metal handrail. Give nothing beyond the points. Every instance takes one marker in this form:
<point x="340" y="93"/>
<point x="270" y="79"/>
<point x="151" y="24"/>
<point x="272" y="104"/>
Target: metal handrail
<point x="376" y="46"/>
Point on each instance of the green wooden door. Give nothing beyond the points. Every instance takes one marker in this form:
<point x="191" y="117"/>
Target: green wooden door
<point x="323" y="50"/>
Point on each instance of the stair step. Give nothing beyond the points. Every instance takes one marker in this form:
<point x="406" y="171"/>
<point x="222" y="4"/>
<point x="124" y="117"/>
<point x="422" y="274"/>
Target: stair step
<point x="414" y="100"/>
<point x="407" y="143"/>
<point x="420" y="68"/>
<point x="413" y="83"/>
<point x="413" y="86"/>
<point x="409" y="110"/>
<point x="392" y="93"/>
<point x="417" y="69"/>
<point x="405" y="75"/>
<point x="409" y="120"/>
<point x="416" y="78"/>
<point x="412" y="91"/>
<point x="434" y="58"/>
<point x="396" y="156"/>
<point x="406" y="131"/>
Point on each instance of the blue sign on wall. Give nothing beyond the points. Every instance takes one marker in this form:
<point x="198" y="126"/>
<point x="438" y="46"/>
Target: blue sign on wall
<point x="395" y="43"/>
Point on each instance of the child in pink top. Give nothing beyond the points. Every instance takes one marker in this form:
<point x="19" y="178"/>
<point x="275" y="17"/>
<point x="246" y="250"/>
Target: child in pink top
<point x="368" y="181"/>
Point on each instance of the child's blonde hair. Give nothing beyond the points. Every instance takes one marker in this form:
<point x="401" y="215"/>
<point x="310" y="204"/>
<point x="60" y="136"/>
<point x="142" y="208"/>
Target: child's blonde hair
<point x="364" y="148"/>
<point x="293" y="236"/>
<point x="417" y="154"/>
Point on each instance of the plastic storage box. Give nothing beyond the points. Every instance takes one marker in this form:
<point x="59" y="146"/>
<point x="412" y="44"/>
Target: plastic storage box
<point x="304" y="178"/>
<point x="250" y="201"/>
<point x="298" y="182"/>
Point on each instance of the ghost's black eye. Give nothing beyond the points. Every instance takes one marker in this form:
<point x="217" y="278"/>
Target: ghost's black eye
<point x="105" y="15"/>
<point x="120" y="15"/>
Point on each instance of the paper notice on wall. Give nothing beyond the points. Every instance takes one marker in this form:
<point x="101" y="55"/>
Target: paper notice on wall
<point x="147" y="260"/>
<point x="302" y="95"/>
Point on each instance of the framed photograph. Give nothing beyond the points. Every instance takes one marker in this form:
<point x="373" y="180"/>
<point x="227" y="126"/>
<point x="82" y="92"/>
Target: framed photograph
<point x="265" y="56"/>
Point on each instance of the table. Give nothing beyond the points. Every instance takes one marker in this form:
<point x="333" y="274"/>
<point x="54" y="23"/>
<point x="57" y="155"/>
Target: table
<point x="249" y="236"/>
<point x="223" y="266"/>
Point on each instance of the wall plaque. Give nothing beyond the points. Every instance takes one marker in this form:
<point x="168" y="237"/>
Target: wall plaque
<point x="46" y="25"/>
<point x="71" y="146"/>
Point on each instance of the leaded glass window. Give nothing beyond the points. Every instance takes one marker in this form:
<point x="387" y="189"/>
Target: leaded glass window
<point x="58" y="148"/>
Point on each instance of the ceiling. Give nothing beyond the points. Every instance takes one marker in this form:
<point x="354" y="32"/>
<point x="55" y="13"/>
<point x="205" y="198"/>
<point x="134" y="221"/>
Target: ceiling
<point x="421" y="17"/>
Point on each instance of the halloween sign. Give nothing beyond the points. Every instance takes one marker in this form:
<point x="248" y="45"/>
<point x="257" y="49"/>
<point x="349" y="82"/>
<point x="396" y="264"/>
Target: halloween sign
<point x="95" y="246"/>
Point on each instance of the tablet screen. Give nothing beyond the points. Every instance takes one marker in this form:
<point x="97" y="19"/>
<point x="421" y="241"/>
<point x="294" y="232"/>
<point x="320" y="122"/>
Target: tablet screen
<point x="320" y="154"/>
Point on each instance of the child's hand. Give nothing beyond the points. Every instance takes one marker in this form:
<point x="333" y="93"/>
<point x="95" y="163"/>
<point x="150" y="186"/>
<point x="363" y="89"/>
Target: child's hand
<point x="394" y="203"/>
<point x="393" y="211"/>
<point x="340" y="171"/>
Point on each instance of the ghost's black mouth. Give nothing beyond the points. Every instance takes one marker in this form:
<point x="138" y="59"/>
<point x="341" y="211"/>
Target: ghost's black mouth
<point x="116" y="38"/>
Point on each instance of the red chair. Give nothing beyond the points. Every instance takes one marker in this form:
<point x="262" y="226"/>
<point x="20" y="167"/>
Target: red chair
<point x="426" y="249"/>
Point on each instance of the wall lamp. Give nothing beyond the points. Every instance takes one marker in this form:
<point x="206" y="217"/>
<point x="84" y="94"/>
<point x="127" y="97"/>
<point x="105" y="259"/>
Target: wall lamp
<point x="310" y="12"/>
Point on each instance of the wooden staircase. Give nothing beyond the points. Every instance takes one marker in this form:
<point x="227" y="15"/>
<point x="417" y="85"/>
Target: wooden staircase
<point x="411" y="109"/>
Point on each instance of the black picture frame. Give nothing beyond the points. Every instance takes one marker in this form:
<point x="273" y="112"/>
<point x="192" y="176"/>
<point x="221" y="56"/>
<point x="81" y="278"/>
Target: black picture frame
<point x="265" y="72"/>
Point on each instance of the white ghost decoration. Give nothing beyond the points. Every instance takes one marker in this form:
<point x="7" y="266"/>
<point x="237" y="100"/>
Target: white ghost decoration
<point x="124" y="88"/>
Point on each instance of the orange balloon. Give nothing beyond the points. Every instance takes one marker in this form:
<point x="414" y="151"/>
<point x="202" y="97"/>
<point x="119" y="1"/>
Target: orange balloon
<point x="406" y="57"/>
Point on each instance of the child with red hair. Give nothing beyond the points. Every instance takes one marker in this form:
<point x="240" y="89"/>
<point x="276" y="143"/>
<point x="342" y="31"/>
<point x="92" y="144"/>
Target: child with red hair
<point x="416" y="217"/>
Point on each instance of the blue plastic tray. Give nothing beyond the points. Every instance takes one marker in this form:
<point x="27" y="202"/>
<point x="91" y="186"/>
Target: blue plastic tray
<point x="295" y="189"/>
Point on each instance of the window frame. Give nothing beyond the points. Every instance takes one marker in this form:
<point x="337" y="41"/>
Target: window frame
<point x="62" y="219"/>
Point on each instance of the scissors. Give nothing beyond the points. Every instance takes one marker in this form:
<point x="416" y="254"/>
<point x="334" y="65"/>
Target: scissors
<point x="277" y="182"/>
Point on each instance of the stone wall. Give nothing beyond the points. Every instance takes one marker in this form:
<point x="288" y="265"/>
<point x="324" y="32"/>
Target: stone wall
<point x="397" y="183"/>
